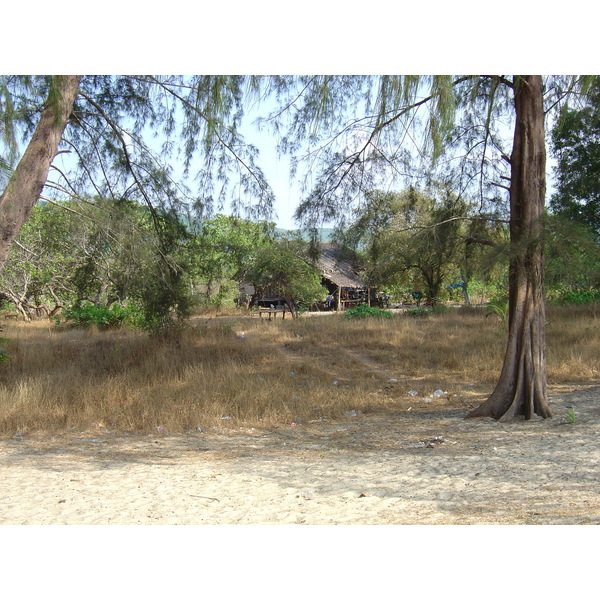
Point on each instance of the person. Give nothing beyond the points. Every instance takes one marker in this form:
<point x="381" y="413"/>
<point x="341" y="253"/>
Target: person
<point x="329" y="301"/>
<point x="385" y="299"/>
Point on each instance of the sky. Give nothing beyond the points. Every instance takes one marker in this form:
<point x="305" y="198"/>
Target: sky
<point x="276" y="169"/>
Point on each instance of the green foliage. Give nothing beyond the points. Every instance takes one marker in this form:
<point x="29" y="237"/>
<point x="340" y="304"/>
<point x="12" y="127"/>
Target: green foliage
<point x="282" y="270"/>
<point x="572" y="256"/>
<point x="222" y="251"/>
<point x="419" y="311"/>
<point x="165" y="300"/>
<point x="98" y="252"/>
<point x="77" y="250"/>
<point x="571" y="414"/>
<point x="87" y="315"/>
<point x="482" y="289"/>
<point x="420" y="239"/>
<point x="498" y="307"/>
<point x="576" y="145"/>
<point x="574" y="296"/>
<point x="364" y="311"/>
<point x="4" y="355"/>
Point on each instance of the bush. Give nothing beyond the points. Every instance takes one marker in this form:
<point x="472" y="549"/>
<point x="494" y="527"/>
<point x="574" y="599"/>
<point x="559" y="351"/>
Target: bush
<point x="420" y="311"/>
<point x="363" y="311"/>
<point x="87" y="315"/>
<point x="498" y="307"/>
<point x="574" y="296"/>
<point x="4" y="355"/>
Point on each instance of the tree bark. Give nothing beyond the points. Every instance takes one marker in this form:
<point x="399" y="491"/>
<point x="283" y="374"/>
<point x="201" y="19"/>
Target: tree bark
<point x="521" y="389"/>
<point x="29" y="178"/>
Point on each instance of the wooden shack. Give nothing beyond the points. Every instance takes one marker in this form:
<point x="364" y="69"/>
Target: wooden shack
<point x="341" y="278"/>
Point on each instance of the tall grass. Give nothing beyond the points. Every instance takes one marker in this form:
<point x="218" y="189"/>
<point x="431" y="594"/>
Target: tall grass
<point x="243" y="371"/>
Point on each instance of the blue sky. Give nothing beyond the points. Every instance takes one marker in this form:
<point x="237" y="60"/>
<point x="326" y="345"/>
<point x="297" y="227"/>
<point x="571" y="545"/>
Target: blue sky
<point x="285" y="188"/>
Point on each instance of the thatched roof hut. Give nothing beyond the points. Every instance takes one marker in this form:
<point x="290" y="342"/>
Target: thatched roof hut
<point x="341" y="277"/>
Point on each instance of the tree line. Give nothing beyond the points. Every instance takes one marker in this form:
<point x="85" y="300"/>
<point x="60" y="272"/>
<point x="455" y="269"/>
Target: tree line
<point x="100" y="259"/>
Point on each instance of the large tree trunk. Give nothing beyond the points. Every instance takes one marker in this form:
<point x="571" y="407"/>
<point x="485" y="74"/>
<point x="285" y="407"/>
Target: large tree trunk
<point x="521" y="390"/>
<point x="28" y="179"/>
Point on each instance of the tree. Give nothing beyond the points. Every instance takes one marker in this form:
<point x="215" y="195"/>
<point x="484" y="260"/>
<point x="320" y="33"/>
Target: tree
<point x="108" y="127"/>
<point x="26" y="183"/>
<point x="126" y="135"/>
<point x="576" y="145"/>
<point x="521" y="389"/>
<point x="94" y="251"/>
<point x="572" y="258"/>
<point x="420" y="234"/>
<point x="285" y="269"/>
<point x="224" y="248"/>
<point x="354" y="152"/>
<point x="37" y="272"/>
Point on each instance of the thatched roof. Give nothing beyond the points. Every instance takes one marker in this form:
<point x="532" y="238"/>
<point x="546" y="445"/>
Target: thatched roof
<point x="336" y="267"/>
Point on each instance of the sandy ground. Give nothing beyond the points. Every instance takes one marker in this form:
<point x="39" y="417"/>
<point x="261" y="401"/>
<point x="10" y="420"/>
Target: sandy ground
<point x="424" y="466"/>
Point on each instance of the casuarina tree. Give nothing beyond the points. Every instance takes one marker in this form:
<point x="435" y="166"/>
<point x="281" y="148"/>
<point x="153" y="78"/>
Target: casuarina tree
<point x="466" y="113"/>
<point x="25" y="184"/>
<point x="138" y="139"/>
<point x="521" y="389"/>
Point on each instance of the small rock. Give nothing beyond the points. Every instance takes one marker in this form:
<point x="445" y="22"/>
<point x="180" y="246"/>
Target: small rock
<point x="436" y="441"/>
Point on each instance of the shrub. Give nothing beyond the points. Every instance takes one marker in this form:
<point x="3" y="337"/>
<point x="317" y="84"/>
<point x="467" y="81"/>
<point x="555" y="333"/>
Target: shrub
<point x="4" y="355"/>
<point x="420" y="311"/>
<point x="363" y="311"/>
<point x="86" y="315"/>
<point x="574" y="296"/>
<point x="498" y="307"/>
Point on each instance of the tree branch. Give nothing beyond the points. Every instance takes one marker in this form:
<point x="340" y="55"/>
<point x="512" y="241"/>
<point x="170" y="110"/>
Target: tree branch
<point x="474" y="240"/>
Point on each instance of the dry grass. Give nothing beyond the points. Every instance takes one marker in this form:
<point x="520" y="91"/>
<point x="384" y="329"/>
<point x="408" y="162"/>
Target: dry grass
<point x="276" y="373"/>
